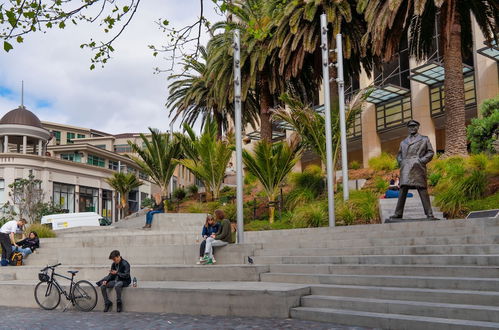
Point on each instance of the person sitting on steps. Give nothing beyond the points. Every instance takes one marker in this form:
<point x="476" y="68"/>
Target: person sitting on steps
<point x="210" y="227"/>
<point x="7" y="232"/>
<point x="221" y="238"/>
<point x="159" y="207"/>
<point x="27" y="245"/>
<point x="118" y="278"/>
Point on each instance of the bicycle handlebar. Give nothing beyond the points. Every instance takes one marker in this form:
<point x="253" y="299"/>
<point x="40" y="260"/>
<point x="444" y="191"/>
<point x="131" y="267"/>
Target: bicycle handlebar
<point x="51" y="267"/>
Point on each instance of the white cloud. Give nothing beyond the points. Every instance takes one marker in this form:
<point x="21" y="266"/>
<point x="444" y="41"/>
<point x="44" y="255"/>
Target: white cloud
<point x="125" y="96"/>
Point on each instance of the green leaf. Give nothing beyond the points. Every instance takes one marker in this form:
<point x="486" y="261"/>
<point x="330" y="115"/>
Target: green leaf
<point x="166" y="22"/>
<point x="7" y="46"/>
<point x="126" y="9"/>
<point x="92" y="67"/>
<point x="62" y="25"/>
<point x="19" y="39"/>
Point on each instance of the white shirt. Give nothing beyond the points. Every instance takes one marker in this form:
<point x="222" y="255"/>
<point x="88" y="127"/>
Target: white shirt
<point x="10" y="227"/>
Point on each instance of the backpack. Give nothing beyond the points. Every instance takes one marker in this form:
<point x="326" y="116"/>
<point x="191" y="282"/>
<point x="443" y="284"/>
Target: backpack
<point x="16" y="259"/>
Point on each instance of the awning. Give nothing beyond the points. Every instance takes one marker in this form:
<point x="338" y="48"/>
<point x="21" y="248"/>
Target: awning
<point x="433" y="72"/>
<point x="385" y="93"/>
<point x="255" y="135"/>
<point x="491" y="51"/>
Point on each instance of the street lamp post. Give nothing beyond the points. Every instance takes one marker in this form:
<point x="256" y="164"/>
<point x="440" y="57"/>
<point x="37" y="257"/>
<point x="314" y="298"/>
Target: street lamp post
<point x="327" y="111"/>
<point x="238" y="130"/>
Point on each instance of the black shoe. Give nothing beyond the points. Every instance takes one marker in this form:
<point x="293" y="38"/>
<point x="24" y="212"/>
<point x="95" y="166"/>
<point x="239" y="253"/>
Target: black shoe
<point x="432" y="217"/>
<point x="119" y="306"/>
<point x="107" y="306"/>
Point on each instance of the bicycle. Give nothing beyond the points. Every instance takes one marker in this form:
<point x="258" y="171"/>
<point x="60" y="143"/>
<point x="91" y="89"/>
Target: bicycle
<point x="48" y="291"/>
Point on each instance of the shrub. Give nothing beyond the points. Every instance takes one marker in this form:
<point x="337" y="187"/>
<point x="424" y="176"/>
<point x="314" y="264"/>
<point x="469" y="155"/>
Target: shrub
<point x="192" y="189"/>
<point x="434" y="178"/>
<point x="43" y="231"/>
<point x="147" y="203"/>
<point x="307" y="186"/>
<point x="212" y="206"/>
<point x="354" y="165"/>
<point x="486" y="203"/>
<point x="361" y="207"/>
<point x="310" y="215"/>
<point x="481" y="132"/>
<point x="493" y="165"/>
<point x="249" y="178"/>
<point x="179" y="194"/>
<point x="257" y="225"/>
<point x="380" y="184"/>
<point x="196" y="208"/>
<point x="383" y="162"/>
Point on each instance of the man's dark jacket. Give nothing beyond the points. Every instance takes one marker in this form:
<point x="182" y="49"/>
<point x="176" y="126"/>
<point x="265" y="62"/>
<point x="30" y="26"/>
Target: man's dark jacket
<point x="123" y="274"/>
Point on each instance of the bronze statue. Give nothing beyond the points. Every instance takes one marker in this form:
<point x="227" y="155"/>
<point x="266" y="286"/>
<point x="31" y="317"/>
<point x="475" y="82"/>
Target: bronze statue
<point x="414" y="153"/>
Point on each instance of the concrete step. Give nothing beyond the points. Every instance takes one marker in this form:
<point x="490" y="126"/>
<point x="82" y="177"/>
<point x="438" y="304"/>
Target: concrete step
<point x="138" y="255"/>
<point x="451" y="296"/>
<point x="414" y="270"/>
<point x="245" y="299"/>
<point x="384" y="250"/>
<point x="405" y="307"/>
<point x="265" y="236"/>
<point x="202" y="273"/>
<point x="422" y="282"/>
<point x="468" y="259"/>
<point x="386" y="320"/>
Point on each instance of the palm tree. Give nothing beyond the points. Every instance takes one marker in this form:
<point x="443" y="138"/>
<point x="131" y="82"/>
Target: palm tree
<point x="271" y="164"/>
<point x="389" y="20"/>
<point x="310" y="124"/>
<point x="206" y="156"/>
<point x="192" y="95"/>
<point x="259" y="63"/>
<point x="157" y="157"/>
<point x="123" y="183"/>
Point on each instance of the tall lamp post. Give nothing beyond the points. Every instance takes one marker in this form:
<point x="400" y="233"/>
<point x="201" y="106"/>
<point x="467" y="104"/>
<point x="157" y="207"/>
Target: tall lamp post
<point x="238" y="130"/>
<point x="327" y="111"/>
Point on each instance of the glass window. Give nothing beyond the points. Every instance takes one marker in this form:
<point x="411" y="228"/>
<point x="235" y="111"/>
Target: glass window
<point x="96" y="161"/>
<point x="143" y="176"/>
<point x="80" y="136"/>
<point x="122" y="148"/>
<point x="89" y="199"/>
<point x="437" y="96"/>
<point x="64" y="196"/>
<point x="107" y="204"/>
<point x="393" y="114"/>
<point x="75" y="157"/>
<point x="113" y="165"/>
<point x="2" y="191"/>
<point x="69" y="137"/>
<point x="130" y="169"/>
<point x="57" y="136"/>
<point x="355" y="129"/>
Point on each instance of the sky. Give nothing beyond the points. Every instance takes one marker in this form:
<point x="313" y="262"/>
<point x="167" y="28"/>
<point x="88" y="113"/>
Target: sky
<point x="124" y="96"/>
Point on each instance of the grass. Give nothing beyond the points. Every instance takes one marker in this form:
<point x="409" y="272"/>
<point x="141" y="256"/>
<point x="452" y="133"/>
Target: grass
<point x="43" y="231"/>
<point x="257" y="225"/>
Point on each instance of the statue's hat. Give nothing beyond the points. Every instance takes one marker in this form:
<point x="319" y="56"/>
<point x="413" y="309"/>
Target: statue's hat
<point x="413" y="122"/>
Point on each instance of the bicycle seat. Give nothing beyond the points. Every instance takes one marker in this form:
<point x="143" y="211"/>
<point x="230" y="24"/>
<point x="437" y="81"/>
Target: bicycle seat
<point x="73" y="271"/>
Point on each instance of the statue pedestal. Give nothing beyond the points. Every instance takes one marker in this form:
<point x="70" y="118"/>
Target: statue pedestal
<point x="402" y="220"/>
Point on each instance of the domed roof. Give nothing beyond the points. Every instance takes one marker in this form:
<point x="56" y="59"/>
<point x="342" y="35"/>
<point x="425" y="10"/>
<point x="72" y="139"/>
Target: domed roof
<point x="21" y="116"/>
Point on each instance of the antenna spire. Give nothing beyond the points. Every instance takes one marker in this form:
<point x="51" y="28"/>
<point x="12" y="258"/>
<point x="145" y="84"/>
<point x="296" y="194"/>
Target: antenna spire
<point x="22" y="93"/>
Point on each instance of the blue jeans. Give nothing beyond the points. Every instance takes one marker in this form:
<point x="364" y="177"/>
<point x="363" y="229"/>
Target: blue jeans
<point x="149" y="216"/>
<point x="25" y="252"/>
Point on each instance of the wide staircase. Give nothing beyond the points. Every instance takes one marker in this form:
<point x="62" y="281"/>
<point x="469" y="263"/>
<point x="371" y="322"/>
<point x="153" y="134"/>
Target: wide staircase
<point x="431" y="275"/>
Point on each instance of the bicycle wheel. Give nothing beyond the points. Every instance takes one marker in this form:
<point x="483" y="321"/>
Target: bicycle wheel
<point x="84" y="296"/>
<point x="47" y="295"/>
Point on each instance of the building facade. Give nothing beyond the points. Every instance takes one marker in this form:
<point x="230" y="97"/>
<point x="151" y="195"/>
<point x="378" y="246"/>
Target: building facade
<point x="404" y="89"/>
<point x="71" y="162"/>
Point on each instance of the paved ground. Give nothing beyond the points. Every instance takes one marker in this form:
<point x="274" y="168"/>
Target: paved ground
<point x="29" y="318"/>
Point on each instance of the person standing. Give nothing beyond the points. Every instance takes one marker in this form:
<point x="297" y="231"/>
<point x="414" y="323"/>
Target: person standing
<point x="118" y="278"/>
<point x="7" y="238"/>
<point x="414" y="153"/>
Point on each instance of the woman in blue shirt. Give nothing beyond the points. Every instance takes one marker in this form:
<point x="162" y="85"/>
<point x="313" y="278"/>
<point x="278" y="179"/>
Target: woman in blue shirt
<point x="210" y="227"/>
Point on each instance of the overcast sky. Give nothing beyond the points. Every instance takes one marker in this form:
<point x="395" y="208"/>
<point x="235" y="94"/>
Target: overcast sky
<point x="124" y="96"/>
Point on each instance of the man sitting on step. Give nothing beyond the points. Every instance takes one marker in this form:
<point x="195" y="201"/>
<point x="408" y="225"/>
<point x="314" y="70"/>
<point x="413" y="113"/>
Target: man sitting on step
<point x="118" y="278"/>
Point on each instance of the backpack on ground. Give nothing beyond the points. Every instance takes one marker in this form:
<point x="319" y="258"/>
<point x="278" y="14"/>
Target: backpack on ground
<point x="16" y="259"/>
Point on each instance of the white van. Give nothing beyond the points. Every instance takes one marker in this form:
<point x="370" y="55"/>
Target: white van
<point x="70" y="220"/>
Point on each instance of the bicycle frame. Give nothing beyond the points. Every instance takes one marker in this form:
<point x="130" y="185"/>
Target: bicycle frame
<point x="54" y="281"/>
